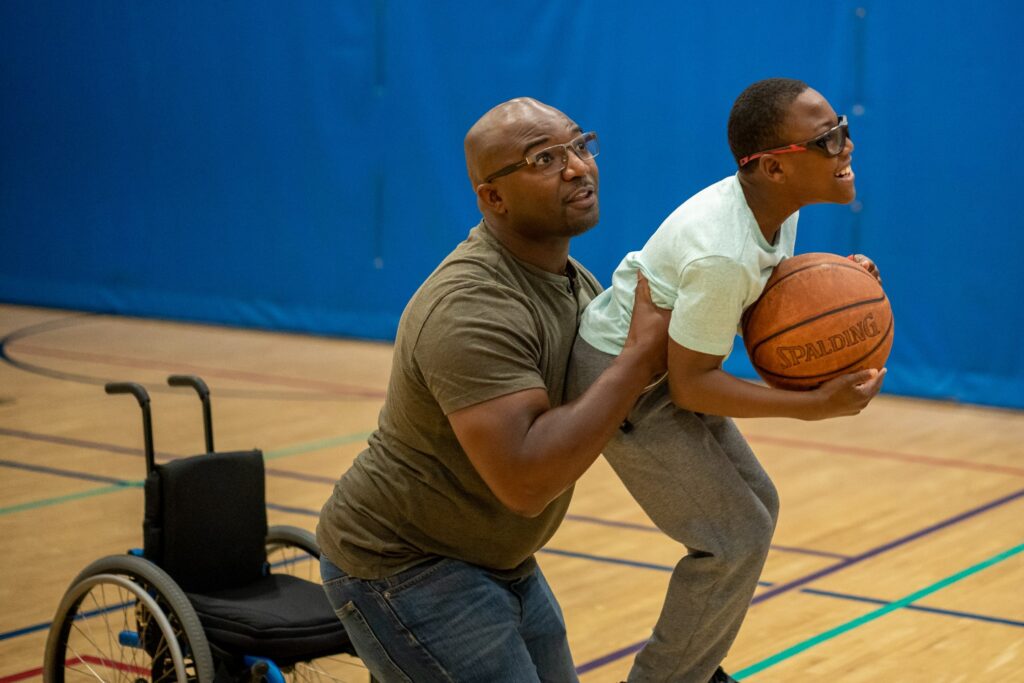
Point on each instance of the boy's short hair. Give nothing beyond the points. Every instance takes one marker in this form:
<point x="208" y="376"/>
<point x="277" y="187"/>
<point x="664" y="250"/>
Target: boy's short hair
<point x="755" y="121"/>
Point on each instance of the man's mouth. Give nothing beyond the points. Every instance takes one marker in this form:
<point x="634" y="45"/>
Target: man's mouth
<point x="582" y="195"/>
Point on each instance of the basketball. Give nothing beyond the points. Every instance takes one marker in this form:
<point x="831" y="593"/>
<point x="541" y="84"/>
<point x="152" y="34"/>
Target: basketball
<point x="820" y="316"/>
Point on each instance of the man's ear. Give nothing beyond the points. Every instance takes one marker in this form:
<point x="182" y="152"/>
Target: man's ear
<point x="489" y="196"/>
<point x="772" y="168"/>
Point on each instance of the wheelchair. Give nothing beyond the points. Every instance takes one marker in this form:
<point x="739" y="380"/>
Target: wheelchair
<point x="213" y="596"/>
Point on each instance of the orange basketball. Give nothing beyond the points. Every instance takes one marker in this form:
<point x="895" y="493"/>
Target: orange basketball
<point x="820" y="316"/>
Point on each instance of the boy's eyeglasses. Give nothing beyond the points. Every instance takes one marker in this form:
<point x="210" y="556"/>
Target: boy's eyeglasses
<point x="832" y="142"/>
<point x="552" y="160"/>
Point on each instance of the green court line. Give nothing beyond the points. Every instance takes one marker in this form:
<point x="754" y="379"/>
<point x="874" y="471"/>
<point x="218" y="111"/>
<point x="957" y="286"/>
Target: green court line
<point x="32" y="505"/>
<point x="315" y="445"/>
<point x="871" y="616"/>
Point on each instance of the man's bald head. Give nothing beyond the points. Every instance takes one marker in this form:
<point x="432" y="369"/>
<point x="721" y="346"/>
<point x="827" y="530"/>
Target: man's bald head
<point x="498" y="137"/>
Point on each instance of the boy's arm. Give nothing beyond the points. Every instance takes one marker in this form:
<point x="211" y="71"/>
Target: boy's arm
<point x="698" y="383"/>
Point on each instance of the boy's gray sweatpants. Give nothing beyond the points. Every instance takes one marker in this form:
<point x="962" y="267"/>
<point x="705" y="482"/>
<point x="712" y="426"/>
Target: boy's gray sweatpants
<point x="699" y="482"/>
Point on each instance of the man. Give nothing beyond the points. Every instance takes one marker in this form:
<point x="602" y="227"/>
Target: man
<point x="681" y="458"/>
<point x="428" y="539"/>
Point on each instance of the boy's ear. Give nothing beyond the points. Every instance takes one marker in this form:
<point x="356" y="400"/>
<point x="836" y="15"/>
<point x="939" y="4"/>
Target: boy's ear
<point x="489" y="196"/>
<point x="772" y="168"/>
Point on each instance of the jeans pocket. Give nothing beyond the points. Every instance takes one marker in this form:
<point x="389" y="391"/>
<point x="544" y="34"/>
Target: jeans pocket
<point x="413" y="577"/>
<point x="368" y="646"/>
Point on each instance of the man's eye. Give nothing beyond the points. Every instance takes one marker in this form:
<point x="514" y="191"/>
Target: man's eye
<point x="543" y="159"/>
<point x="580" y="145"/>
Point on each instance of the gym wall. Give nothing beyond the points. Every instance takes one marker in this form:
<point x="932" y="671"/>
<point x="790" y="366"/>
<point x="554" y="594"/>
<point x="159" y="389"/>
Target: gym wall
<point x="299" y="166"/>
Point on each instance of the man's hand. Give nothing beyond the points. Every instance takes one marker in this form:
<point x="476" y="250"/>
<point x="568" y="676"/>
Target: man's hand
<point x="867" y="264"/>
<point x="648" y="329"/>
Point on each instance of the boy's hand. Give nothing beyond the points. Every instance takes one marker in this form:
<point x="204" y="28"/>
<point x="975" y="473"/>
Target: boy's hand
<point x="848" y="394"/>
<point x="867" y="264"/>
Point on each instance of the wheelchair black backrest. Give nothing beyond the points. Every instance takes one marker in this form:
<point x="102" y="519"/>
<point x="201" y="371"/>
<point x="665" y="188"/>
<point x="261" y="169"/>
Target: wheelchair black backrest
<point x="206" y="520"/>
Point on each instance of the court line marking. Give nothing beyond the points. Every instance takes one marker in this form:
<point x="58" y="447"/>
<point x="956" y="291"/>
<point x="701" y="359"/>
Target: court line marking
<point x="35" y="628"/>
<point x="824" y="636"/>
<point x="344" y="440"/>
<point x="653" y="529"/>
<point x="759" y="598"/>
<point x="35" y="504"/>
<point x="85" y="318"/>
<point x="859" y="451"/>
<point x="121" y="485"/>
<point x="831" y="569"/>
<point x="56" y="471"/>
<point x="332" y="388"/>
<point x="70" y="321"/>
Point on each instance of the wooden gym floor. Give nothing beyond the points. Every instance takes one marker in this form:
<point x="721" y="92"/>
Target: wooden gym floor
<point x="898" y="555"/>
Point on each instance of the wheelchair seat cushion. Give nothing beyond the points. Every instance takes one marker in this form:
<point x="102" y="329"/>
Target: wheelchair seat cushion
<point x="280" y="617"/>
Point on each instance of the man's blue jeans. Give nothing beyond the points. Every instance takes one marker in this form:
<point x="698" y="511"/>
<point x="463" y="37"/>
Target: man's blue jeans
<point x="446" y="620"/>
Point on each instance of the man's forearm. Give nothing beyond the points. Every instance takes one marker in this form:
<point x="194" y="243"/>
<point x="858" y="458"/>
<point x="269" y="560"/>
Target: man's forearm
<point x="563" y="442"/>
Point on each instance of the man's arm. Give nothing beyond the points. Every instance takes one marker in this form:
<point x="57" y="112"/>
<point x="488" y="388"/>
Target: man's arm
<point x="528" y="453"/>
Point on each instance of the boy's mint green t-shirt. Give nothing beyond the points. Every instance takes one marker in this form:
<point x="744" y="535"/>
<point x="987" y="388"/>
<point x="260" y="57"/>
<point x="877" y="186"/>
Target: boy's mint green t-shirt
<point x="708" y="261"/>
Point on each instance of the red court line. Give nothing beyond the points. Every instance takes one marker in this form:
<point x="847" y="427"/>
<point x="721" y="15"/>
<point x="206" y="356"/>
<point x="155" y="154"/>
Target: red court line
<point x="260" y="378"/>
<point x="22" y="675"/>
<point x="887" y="455"/>
<point x="87" y="659"/>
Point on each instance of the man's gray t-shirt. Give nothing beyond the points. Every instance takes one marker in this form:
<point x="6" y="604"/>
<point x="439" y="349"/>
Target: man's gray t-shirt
<point x="483" y="325"/>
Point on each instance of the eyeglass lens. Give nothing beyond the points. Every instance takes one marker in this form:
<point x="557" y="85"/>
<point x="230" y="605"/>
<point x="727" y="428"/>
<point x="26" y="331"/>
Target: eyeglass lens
<point x="834" y="141"/>
<point x="552" y="160"/>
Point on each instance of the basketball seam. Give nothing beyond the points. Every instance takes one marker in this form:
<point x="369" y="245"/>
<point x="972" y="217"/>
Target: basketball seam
<point x="859" y="269"/>
<point x="865" y="302"/>
<point x="888" y="332"/>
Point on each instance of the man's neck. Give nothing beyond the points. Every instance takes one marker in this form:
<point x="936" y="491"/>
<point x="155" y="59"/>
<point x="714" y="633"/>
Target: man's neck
<point x="550" y="254"/>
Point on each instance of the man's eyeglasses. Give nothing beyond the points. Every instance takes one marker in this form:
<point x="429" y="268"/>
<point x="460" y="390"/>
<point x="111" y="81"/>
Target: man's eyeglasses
<point x="554" y="159"/>
<point x="832" y="142"/>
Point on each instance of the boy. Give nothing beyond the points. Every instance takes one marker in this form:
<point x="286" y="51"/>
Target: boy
<point x="678" y="453"/>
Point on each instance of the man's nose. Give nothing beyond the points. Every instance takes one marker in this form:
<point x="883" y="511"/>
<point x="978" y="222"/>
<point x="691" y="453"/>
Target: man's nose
<point x="574" y="165"/>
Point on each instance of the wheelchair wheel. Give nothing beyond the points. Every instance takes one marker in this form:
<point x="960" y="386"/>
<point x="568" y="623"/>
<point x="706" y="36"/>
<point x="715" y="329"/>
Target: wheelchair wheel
<point x="124" y="618"/>
<point x="292" y="550"/>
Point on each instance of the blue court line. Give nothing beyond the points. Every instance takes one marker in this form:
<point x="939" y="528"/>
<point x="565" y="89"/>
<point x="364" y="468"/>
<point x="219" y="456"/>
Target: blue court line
<point x="46" y="625"/>
<point x="653" y="529"/>
<point x="871" y="616"/>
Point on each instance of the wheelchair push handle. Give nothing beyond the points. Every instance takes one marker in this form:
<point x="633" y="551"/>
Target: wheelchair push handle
<point x="204" y="395"/>
<point x="142" y="396"/>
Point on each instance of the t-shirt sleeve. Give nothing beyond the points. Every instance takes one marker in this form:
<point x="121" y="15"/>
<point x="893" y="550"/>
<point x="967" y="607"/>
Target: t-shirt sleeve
<point x="709" y="304"/>
<point x="478" y="343"/>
